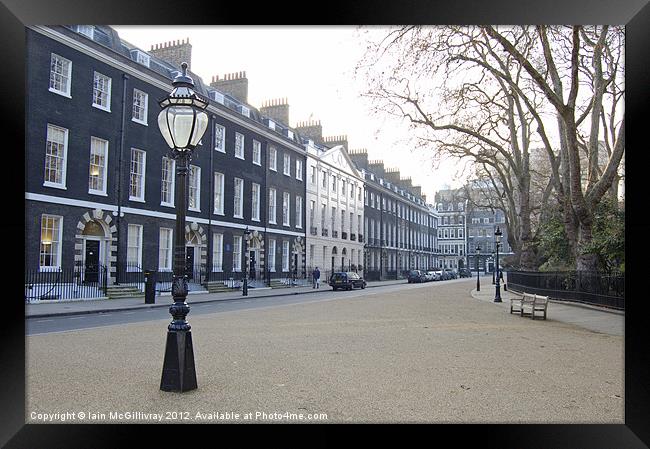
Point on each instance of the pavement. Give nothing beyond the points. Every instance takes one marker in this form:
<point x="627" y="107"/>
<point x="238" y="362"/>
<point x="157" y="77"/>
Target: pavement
<point x="45" y="309"/>
<point x="419" y="353"/>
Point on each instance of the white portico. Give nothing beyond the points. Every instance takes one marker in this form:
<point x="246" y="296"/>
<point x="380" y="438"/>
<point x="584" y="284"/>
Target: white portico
<point x="334" y="210"/>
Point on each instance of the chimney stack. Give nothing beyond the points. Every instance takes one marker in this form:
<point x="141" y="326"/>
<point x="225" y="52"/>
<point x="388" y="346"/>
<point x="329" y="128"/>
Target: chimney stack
<point x="234" y="84"/>
<point x="175" y="52"/>
<point x="311" y="129"/>
<point x="277" y="110"/>
<point x="332" y="141"/>
<point x="360" y="158"/>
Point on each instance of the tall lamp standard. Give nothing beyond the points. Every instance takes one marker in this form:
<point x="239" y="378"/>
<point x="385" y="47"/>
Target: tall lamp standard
<point x="478" y="282"/>
<point x="497" y="236"/>
<point x="182" y="123"/>
<point x="492" y="267"/>
<point x="247" y="238"/>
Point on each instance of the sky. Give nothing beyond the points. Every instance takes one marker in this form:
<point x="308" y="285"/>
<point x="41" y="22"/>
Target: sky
<point x="313" y="68"/>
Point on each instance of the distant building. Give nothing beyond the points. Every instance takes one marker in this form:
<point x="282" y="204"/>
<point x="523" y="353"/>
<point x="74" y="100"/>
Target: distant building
<point x="451" y="206"/>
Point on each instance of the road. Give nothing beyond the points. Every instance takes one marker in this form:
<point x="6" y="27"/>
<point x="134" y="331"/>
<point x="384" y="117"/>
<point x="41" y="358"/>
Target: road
<point x="36" y="326"/>
<point x="402" y="353"/>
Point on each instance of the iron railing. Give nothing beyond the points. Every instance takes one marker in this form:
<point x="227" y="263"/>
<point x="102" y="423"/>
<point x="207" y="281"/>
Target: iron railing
<point x="602" y="289"/>
<point x="78" y="282"/>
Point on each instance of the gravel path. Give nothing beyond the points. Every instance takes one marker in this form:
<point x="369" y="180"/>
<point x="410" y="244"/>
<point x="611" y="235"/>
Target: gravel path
<point x="431" y="354"/>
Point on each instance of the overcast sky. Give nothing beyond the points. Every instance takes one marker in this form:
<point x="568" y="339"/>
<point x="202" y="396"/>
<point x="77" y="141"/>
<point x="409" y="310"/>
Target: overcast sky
<point x="313" y="67"/>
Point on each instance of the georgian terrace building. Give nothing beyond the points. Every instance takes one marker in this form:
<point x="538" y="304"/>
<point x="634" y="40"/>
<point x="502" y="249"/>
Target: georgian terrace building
<point x="399" y="226"/>
<point x="452" y="230"/>
<point x="100" y="182"/>
<point x="335" y="207"/>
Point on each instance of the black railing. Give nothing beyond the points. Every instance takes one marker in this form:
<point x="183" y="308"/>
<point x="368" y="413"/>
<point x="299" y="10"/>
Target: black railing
<point x="129" y="274"/>
<point x="77" y="282"/>
<point x="595" y="288"/>
<point x="372" y="275"/>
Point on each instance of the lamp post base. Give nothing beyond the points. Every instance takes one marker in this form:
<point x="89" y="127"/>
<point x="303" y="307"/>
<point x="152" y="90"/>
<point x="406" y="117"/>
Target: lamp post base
<point x="179" y="373"/>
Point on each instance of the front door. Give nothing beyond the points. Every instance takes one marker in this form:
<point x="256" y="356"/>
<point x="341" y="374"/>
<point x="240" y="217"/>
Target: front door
<point x="189" y="262"/>
<point x="91" y="272"/>
<point x="252" y="269"/>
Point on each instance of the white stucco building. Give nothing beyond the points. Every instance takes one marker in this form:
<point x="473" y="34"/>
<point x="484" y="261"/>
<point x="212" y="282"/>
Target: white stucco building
<point x="335" y="192"/>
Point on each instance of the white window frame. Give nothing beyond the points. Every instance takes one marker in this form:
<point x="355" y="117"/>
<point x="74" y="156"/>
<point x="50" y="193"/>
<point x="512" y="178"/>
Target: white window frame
<point x="104" y="167"/>
<point x="64" y="158"/>
<point x="236" y="249"/>
<point x="171" y="181"/>
<point x="285" y="255"/>
<point x="271" y="256"/>
<point x="255" y="202"/>
<point x="142" y="58"/>
<point x="219" y="144"/>
<point x="106" y="107"/>
<point x="66" y="76"/>
<point x="313" y="175"/>
<point x="286" y="166"/>
<point x="129" y="260"/>
<point x="166" y="258"/>
<point x="239" y="146"/>
<point x="139" y="198"/>
<point x="217" y="251"/>
<point x="238" y="198"/>
<point x="196" y="188"/>
<point x="273" y="202"/>
<point x="299" y="212"/>
<point x="257" y="152"/>
<point x="138" y="95"/>
<point x="299" y="169"/>
<point x="286" y="209"/>
<point x="273" y="158"/>
<point x="219" y="193"/>
<point x="55" y="242"/>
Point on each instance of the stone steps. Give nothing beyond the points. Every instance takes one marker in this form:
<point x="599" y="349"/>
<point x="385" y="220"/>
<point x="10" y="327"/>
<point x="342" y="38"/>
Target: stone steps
<point x="126" y="291"/>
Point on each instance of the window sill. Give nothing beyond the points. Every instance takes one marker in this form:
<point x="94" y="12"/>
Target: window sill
<point x="220" y="150"/>
<point x="257" y="163"/>
<point x="101" y="108"/>
<point x="54" y="186"/>
<point x="167" y="204"/>
<point x="193" y="209"/>
<point x="97" y="192"/>
<point x="219" y="213"/>
<point x="140" y="122"/>
<point x="137" y="200"/>
<point x="58" y="92"/>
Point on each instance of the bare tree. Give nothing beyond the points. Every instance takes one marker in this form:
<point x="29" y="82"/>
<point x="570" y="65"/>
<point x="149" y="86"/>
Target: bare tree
<point x="482" y="94"/>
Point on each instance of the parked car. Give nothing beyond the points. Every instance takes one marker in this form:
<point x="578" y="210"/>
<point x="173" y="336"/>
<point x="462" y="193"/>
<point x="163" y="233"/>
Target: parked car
<point x="451" y="273"/>
<point x="415" y="276"/>
<point x="430" y="276"/>
<point x="438" y="275"/>
<point x="346" y="280"/>
<point x="465" y="273"/>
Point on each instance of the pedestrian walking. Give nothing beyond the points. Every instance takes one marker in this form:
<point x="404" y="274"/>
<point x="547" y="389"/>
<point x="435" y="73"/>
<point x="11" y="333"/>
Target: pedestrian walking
<point x="316" y="277"/>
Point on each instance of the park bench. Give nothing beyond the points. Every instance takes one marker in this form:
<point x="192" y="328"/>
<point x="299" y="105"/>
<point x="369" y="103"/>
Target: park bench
<point x="528" y="304"/>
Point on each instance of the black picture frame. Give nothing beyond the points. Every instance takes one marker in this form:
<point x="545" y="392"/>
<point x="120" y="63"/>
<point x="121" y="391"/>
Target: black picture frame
<point x="635" y="14"/>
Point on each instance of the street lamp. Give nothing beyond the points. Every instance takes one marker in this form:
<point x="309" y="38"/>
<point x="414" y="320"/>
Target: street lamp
<point x="247" y="238"/>
<point x="182" y="123"/>
<point x="497" y="237"/>
<point x="492" y="267"/>
<point x="478" y="282"/>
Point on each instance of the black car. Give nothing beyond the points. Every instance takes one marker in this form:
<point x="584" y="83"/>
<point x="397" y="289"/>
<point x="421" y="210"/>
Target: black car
<point x="416" y="276"/>
<point x="465" y="273"/>
<point x="346" y="280"/>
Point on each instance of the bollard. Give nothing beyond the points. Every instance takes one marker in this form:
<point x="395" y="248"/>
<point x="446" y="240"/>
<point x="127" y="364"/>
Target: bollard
<point x="149" y="287"/>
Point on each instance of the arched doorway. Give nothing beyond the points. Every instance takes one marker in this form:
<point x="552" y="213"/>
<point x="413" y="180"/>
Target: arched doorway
<point x="94" y="251"/>
<point x="344" y="265"/>
<point x="193" y="256"/>
<point x="334" y="255"/>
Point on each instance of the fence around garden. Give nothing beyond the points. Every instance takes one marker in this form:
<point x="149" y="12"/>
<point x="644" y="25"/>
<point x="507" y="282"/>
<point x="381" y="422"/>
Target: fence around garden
<point x="601" y="289"/>
<point x="78" y="282"/>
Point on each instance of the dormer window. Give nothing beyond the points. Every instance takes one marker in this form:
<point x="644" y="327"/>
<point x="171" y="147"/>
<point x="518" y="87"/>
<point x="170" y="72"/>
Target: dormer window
<point x="217" y="96"/>
<point x="290" y="134"/>
<point x="245" y="111"/>
<point x="86" y="30"/>
<point x="140" y="57"/>
<point x="271" y="124"/>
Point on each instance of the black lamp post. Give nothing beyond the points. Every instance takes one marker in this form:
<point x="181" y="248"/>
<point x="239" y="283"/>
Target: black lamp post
<point x="182" y="123"/>
<point x="493" y="268"/>
<point x="497" y="235"/>
<point x="478" y="254"/>
<point x="247" y="238"/>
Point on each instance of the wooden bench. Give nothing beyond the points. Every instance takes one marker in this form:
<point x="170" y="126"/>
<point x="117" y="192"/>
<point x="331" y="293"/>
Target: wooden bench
<point x="528" y="304"/>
